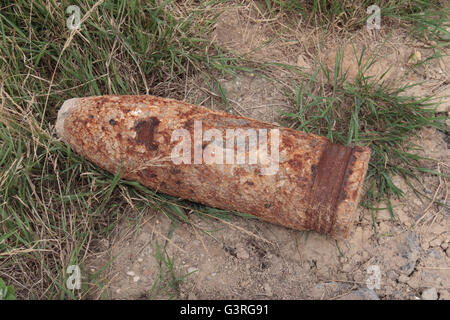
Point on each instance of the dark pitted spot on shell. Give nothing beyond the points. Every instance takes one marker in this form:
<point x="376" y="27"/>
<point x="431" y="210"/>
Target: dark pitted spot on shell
<point x="145" y="131"/>
<point x="189" y="124"/>
<point x="174" y="171"/>
<point x="313" y="171"/>
<point x="149" y="174"/>
<point x="112" y="122"/>
<point x="328" y="182"/>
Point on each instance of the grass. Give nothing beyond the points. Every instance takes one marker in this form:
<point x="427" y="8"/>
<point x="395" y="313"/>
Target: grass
<point x="368" y="111"/>
<point x="55" y="204"/>
<point x="6" y="292"/>
<point x="169" y="278"/>
<point x="425" y="19"/>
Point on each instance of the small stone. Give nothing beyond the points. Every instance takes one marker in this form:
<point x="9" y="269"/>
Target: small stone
<point x="392" y="275"/>
<point x="136" y="279"/>
<point x="358" y="276"/>
<point x="435" y="243"/>
<point x="347" y="268"/>
<point x="268" y="289"/>
<point x="434" y="253"/>
<point x="430" y="294"/>
<point x="131" y="273"/>
<point x="365" y="255"/>
<point x="118" y="290"/>
<point x="411" y="252"/>
<point x="444" y="295"/>
<point x="140" y="259"/>
<point x="242" y="254"/>
<point x="415" y="281"/>
<point x="361" y="294"/>
<point x="403" y="279"/>
<point x="317" y="292"/>
<point x="444" y="245"/>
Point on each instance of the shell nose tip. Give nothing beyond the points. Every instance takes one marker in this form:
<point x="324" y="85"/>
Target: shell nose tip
<point x="67" y="107"/>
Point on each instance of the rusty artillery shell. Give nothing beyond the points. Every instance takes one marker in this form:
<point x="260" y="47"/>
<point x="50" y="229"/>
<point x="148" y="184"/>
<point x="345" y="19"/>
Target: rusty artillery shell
<point x="168" y="146"/>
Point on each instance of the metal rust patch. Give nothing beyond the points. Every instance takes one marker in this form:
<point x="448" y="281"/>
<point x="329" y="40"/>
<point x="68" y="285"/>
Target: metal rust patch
<point x="328" y="187"/>
<point x="145" y="131"/>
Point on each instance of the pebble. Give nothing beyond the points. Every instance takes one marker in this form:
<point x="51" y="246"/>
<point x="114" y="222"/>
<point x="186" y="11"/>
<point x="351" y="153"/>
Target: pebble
<point x="434" y="253"/>
<point x="242" y="254"/>
<point x="136" y="279"/>
<point x="435" y="243"/>
<point x="392" y="275"/>
<point x="140" y="259"/>
<point x="361" y="294"/>
<point x="347" y="268"/>
<point x="444" y="295"/>
<point x="358" y="276"/>
<point x="365" y="255"/>
<point x="131" y="273"/>
<point x="429" y="294"/>
<point x="268" y="289"/>
<point x="403" y="279"/>
<point x="411" y="253"/>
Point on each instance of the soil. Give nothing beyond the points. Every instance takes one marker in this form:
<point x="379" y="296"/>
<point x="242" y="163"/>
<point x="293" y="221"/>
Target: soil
<point x="250" y="259"/>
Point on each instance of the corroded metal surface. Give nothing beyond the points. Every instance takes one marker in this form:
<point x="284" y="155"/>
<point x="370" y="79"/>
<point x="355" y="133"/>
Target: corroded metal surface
<point x="316" y="186"/>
